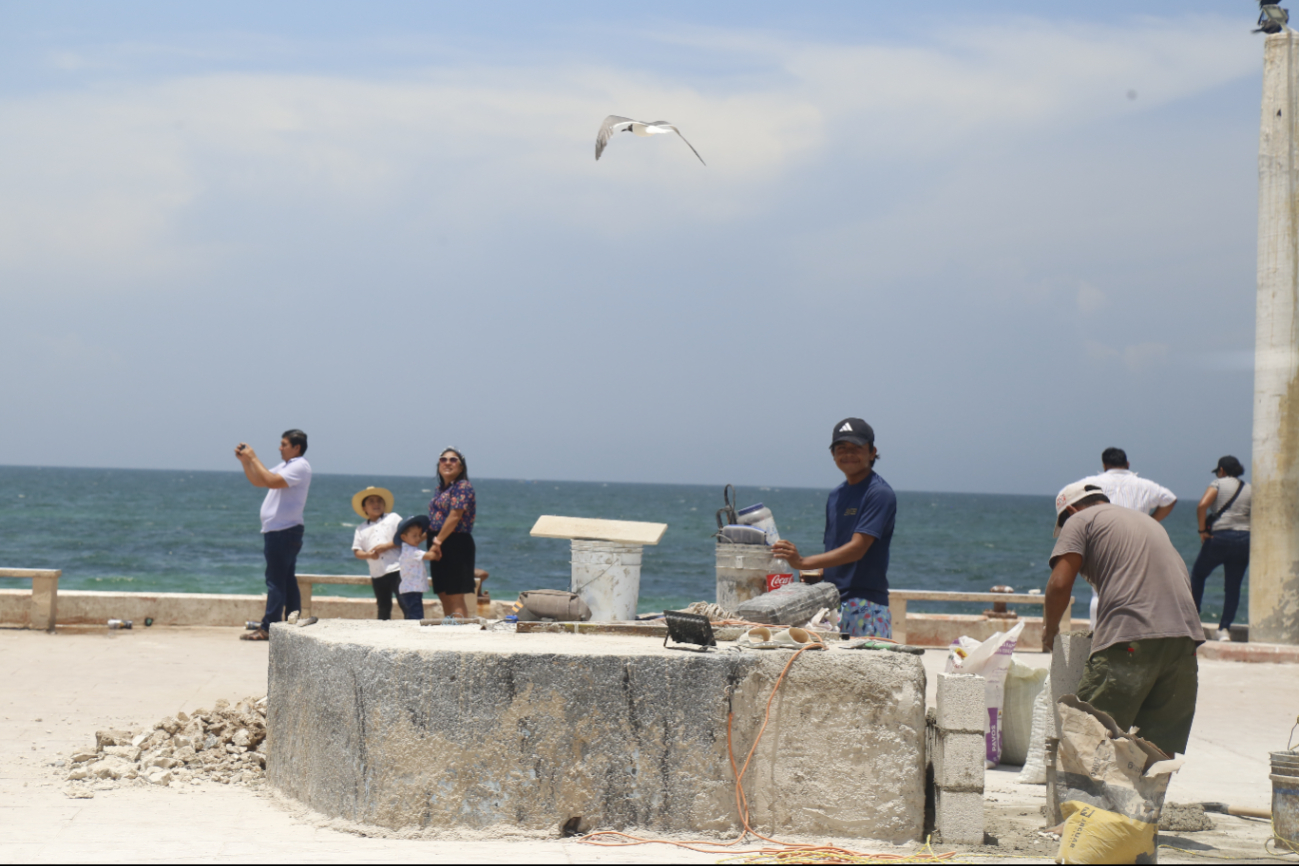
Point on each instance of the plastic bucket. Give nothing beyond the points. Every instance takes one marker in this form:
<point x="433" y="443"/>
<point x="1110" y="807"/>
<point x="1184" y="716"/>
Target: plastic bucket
<point x="742" y="571"/>
<point x="607" y="577"/>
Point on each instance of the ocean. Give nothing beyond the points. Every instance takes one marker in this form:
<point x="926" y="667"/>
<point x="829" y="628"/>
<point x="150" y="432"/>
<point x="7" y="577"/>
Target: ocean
<point x="133" y="530"/>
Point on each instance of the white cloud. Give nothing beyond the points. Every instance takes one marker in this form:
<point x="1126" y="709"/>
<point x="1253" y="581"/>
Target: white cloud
<point x="1090" y="298"/>
<point x="96" y="185"/>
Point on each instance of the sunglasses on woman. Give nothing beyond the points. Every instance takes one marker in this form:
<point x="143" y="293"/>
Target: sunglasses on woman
<point x="451" y="460"/>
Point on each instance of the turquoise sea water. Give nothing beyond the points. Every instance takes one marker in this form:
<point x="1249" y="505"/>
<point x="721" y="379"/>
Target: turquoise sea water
<point x="170" y="531"/>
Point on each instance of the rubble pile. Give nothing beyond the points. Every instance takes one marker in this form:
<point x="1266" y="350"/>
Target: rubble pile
<point x="226" y="744"/>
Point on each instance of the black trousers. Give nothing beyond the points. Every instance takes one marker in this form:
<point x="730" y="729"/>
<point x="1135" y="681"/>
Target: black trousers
<point x="385" y="590"/>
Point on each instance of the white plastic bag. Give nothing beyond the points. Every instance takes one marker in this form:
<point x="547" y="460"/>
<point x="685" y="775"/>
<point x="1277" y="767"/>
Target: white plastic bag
<point x="1034" y="771"/>
<point x="990" y="660"/>
<point x="1023" y="685"/>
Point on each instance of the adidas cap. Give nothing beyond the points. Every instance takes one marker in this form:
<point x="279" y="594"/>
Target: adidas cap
<point x="853" y="430"/>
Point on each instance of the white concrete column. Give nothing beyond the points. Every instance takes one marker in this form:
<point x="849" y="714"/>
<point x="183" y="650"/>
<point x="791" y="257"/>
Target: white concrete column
<point x="1274" y="521"/>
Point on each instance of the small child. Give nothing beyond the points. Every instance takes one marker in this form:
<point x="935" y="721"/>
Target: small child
<point x="414" y="574"/>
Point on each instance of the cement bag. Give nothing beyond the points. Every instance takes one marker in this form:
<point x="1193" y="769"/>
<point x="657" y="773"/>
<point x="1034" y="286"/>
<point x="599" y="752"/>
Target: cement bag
<point x="1023" y="685"/>
<point x="557" y="604"/>
<point x="1034" y="770"/>
<point x="990" y="660"/>
<point x="1111" y="786"/>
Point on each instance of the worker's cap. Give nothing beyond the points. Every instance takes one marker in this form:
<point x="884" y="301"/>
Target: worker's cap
<point x="1230" y="465"/>
<point x="1072" y="495"/>
<point x="420" y="520"/>
<point x="853" y="430"/>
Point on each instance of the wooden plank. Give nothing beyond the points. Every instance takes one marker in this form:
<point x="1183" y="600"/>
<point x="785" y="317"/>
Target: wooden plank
<point x="590" y="529"/>
<point x="29" y="572"/>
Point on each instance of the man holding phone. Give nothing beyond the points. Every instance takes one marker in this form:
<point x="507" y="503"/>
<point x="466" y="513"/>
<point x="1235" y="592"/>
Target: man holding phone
<point x="282" y="523"/>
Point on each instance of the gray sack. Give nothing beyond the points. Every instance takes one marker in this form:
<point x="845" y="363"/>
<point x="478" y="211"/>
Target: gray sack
<point x="556" y="604"/>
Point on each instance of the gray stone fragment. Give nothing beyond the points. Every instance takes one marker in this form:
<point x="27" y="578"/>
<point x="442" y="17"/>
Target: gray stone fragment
<point x="112" y="738"/>
<point x="793" y="604"/>
<point x="83" y="756"/>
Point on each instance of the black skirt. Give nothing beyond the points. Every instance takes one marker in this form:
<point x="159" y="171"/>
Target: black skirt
<point x="454" y="572"/>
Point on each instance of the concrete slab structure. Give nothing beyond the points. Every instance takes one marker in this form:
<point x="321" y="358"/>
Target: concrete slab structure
<point x="406" y="727"/>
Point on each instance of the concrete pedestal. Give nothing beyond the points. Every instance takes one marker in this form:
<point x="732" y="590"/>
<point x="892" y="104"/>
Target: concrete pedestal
<point x="406" y="726"/>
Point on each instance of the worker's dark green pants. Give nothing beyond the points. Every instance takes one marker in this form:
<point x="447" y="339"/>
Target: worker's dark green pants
<point x="1147" y="683"/>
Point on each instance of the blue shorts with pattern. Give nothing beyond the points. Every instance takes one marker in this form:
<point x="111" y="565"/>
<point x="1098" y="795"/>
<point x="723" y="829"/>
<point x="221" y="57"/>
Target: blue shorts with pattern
<point x="861" y="618"/>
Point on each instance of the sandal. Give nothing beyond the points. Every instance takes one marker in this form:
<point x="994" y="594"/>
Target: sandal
<point x="255" y="635"/>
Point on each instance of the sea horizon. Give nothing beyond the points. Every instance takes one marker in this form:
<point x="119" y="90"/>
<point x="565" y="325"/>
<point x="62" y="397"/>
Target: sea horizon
<point x="168" y="530"/>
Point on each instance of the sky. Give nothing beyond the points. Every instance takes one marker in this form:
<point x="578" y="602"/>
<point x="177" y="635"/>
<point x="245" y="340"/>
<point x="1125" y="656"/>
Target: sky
<point x="1006" y="234"/>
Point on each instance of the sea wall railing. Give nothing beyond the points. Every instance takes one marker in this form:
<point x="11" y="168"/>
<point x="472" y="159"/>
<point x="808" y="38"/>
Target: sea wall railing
<point x="898" y="599"/>
<point x="45" y="594"/>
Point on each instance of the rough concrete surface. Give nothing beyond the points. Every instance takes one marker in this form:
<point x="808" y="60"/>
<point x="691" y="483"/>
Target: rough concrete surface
<point x="400" y="726"/>
<point x="57" y="690"/>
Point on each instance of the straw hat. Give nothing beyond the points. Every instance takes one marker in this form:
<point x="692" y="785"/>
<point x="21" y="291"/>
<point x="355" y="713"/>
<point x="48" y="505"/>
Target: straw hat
<point x="368" y="492"/>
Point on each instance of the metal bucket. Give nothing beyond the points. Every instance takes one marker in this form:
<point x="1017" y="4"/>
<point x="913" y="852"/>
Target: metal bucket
<point x="607" y="577"/>
<point x="742" y="571"/>
<point x="1285" y="798"/>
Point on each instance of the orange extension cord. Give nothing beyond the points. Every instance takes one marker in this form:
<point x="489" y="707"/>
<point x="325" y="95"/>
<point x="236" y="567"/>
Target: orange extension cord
<point x="783" y="852"/>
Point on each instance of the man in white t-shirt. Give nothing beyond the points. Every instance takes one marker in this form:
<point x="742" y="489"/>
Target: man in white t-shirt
<point x="282" y="523"/>
<point x="1124" y="488"/>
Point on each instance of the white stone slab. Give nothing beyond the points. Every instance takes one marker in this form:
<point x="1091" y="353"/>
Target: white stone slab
<point x="623" y="531"/>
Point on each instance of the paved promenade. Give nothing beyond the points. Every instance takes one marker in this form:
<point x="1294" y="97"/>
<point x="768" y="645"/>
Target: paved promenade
<point x="57" y="690"/>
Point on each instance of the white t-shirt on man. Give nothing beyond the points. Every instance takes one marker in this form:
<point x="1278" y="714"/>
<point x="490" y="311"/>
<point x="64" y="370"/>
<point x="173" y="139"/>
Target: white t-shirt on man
<point x="283" y="506"/>
<point x="370" y="535"/>
<point x="1125" y="488"/>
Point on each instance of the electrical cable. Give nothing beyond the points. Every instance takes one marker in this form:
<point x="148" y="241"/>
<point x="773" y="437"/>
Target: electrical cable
<point x="784" y="852"/>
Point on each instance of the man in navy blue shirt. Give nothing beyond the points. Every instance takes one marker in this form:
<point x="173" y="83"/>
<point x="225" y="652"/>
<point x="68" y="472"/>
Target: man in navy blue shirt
<point x="859" y="517"/>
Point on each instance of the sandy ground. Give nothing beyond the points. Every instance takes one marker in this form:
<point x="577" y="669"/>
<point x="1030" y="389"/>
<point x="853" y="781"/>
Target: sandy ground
<point x="56" y="691"/>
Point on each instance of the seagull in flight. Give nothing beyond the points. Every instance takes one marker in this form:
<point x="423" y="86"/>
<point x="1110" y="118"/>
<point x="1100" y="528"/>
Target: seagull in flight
<point x="613" y="123"/>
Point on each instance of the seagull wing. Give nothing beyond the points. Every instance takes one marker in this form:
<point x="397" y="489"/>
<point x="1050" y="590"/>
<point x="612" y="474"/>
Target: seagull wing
<point x="613" y="123"/>
<point x="688" y="144"/>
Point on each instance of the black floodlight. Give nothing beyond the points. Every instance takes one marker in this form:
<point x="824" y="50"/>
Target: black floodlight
<point x="1271" y="17"/>
<point x="688" y="628"/>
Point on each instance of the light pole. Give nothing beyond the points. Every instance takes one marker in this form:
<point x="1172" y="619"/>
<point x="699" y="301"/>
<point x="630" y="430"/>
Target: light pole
<point x="1274" y="518"/>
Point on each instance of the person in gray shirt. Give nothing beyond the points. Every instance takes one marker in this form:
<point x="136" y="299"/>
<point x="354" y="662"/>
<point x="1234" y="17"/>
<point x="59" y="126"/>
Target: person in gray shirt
<point x="1224" y="538"/>
<point x="1142" y="669"/>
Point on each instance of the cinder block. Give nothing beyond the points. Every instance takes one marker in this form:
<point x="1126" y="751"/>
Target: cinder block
<point x="959" y="760"/>
<point x="961" y="703"/>
<point x="958" y="817"/>
<point x="1068" y="659"/>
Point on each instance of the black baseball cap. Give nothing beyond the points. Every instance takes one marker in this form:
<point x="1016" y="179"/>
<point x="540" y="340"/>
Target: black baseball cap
<point x="853" y="430"/>
<point x="420" y="520"/>
<point x="1230" y="465"/>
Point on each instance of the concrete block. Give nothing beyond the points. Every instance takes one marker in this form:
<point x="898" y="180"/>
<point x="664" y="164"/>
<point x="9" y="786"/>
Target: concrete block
<point x="408" y="727"/>
<point x="962" y="705"/>
<point x="959" y="760"/>
<point x="958" y="817"/>
<point x="1068" y="659"/>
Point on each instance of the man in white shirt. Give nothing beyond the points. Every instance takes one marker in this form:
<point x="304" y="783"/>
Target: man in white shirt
<point x="282" y="523"/>
<point x="1123" y="488"/>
